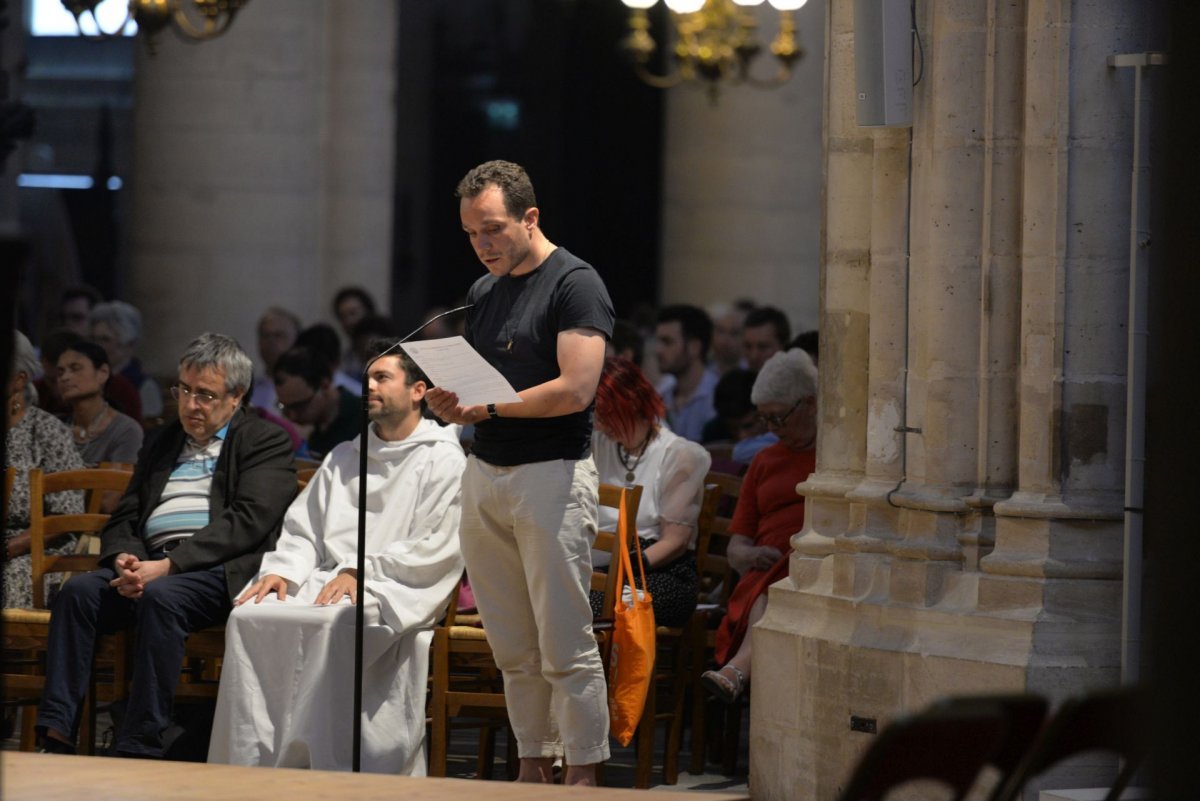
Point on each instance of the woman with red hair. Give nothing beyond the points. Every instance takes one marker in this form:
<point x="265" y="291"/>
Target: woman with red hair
<point x="632" y="445"/>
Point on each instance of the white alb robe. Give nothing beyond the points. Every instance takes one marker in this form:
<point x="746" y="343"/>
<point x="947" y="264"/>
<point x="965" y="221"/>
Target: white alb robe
<point x="287" y="685"/>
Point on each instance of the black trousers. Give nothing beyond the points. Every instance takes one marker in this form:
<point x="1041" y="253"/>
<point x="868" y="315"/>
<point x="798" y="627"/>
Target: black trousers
<point x="170" y="608"/>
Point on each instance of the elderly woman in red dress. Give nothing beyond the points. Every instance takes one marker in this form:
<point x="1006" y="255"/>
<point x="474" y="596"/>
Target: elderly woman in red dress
<point x="769" y="511"/>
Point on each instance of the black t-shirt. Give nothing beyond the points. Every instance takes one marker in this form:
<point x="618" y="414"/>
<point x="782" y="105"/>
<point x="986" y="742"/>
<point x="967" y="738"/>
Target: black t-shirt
<point x="515" y="324"/>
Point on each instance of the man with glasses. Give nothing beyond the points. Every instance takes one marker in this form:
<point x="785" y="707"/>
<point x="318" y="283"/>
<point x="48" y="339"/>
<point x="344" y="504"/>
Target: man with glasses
<point x="308" y="397"/>
<point x="205" y="502"/>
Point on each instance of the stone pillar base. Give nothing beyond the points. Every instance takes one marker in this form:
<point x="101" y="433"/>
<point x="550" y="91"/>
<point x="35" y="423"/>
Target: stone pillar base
<point x="820" y="658"/>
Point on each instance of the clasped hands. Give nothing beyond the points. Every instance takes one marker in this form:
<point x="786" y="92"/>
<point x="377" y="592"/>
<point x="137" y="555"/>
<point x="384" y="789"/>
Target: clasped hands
<point x="744" y="555"/>
<point x="343" y="584"/>
<point x="133" y="574"/>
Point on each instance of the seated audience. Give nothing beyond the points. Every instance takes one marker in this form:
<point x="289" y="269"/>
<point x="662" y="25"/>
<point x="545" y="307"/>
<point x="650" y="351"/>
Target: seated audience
<point x="33" y="438"/>
<point x="632" y="446"/>
<point x="102" y="434"/>
<point x="285" y="698"/>
<point x="120" y="394"/>
<point x="626" y="342"/>
<point x="765" y="333"/>
<point x="277" y="332"/>
<point x="807" y="341"/>
<point x="362" y="337"/>
<point x="727" y="335"/>
<point x="683" y="335"/>
<point x="769" y="511"/>
<point x="308" y="397"/>
<point x="205" y="502"/>
<point x="352" y="305"/>
<point x="322" y="340"/>
<point x="432" y="328"/>
<point x="75" y="309"/>
<point x="117" y="327"/>
<point x="737" y="420"/>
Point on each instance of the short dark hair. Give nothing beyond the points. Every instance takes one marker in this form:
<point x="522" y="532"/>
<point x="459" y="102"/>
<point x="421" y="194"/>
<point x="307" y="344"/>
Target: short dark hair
<point x="769" y="315"/>
<point x="323" y="340"/>
<point x="88" y="293"/>
<point x="807" y="341"/>
<point x="412" y="372"/>
<point x="625" y="336"/>
<point x="356" y="292"/>
<point x="511" y="179"/>
<point x="731" y="397"/>
<point x="694" y="321"/>
<point x="58" y="342"/>
<point x="305" y="363"/>
<point x="374" y="325"/>
<point x="94" y="353"/>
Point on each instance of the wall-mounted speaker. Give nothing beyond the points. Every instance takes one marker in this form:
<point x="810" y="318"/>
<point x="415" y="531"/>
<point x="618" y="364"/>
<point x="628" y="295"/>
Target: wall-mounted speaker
<point x="883" y="62"/>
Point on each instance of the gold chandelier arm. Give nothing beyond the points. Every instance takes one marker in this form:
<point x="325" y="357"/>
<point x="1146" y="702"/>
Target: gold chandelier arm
<point x="658" y="81"/>
<point x="215" y="22"/>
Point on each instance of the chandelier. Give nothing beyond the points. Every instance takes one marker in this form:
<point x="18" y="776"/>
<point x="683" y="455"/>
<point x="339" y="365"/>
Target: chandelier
<point x="715" y="40"/>
<point x="192" y="20"/>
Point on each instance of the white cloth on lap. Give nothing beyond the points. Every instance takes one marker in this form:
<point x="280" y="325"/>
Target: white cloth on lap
<point x="287" y="683"/>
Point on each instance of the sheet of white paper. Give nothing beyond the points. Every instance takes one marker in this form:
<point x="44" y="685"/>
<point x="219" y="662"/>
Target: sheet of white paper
<point x="452" y="364"/>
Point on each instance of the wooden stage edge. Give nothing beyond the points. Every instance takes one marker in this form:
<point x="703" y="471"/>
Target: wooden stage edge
<point x="50" y="777"/>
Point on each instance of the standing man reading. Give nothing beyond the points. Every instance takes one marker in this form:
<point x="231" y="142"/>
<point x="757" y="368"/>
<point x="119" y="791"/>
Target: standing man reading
<point x="541" y="317"/>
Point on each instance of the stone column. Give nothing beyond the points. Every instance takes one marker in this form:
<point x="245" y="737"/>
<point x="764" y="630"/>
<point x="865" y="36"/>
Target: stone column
<point x="1016" y="313"/>
<point x="262" y="170"/>
<point x="1059" y="537"/>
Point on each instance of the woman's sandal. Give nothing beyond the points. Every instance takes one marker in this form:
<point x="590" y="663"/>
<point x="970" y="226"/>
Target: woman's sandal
<point x="719" y="684"/>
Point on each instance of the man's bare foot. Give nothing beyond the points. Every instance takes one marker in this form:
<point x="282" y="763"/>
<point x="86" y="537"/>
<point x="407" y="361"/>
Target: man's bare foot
<point x="581" y="775"/>
<point x="536" y="770"/>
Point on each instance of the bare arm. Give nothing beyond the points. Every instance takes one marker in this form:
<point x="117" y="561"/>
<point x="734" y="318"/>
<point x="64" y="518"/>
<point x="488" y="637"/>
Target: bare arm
<point x="672" y="543"/>
<point x="580" y="359"/>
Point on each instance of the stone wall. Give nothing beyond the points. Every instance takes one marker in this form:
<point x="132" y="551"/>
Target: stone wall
<point x="264" y="170"/>
<point x="973" y="292"/>
<point x="741" y="210"/>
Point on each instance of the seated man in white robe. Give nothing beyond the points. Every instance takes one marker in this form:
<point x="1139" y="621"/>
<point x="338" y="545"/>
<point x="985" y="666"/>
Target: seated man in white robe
<point x="286" y="695"/>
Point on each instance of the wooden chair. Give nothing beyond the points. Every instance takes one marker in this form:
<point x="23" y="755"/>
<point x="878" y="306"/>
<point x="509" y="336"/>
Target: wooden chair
<point x="304" y="475"/>
<point x="205" y="649"/>
<point x="717" y="580"/>
<point x="466" y="681"/>
<point x="949" y="743"/>
<point x="666" y="700"/>
<point x="1106" y="720"/>
<point x="27" y="630"/>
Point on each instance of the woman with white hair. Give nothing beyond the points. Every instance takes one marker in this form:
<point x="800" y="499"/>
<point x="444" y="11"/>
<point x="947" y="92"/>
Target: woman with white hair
<point x="34" y="439"/>
<point x="117" y="327"/>
<point x="768" y="511"/>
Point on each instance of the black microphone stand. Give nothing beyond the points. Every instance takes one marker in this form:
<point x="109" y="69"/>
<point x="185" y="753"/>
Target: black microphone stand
<point x="359" y="620"/>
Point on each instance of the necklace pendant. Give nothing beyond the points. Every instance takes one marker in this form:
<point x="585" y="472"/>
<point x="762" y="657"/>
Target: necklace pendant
<point x="508" y="347"/>
<point x="629" y="476"/>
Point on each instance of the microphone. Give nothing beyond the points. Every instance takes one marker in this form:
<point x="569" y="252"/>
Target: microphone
<point x="359" y="622"/>
<point x="409" y="336"/>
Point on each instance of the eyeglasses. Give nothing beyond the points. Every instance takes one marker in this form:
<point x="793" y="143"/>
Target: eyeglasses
<point x="295" y="406"/>
<point x="778" y="421"/>
<point x="202" y="397"/>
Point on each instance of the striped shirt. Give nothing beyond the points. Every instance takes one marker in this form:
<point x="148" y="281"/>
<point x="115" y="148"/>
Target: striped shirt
<point x="183" y="508"/>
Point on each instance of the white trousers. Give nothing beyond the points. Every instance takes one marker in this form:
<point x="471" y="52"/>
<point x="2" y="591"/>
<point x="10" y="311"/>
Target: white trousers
<point x="527" y="535"/>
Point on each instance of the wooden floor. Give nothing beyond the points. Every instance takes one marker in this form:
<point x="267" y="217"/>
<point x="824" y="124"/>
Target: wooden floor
<point x="49" y="777"/>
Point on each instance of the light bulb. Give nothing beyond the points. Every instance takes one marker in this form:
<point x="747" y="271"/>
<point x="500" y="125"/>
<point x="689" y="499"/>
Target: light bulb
<point x="685" y="6"/>
<point x="748" y="2"/>
<point x="787" y="5"/>
<point x="639" y="3"/>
